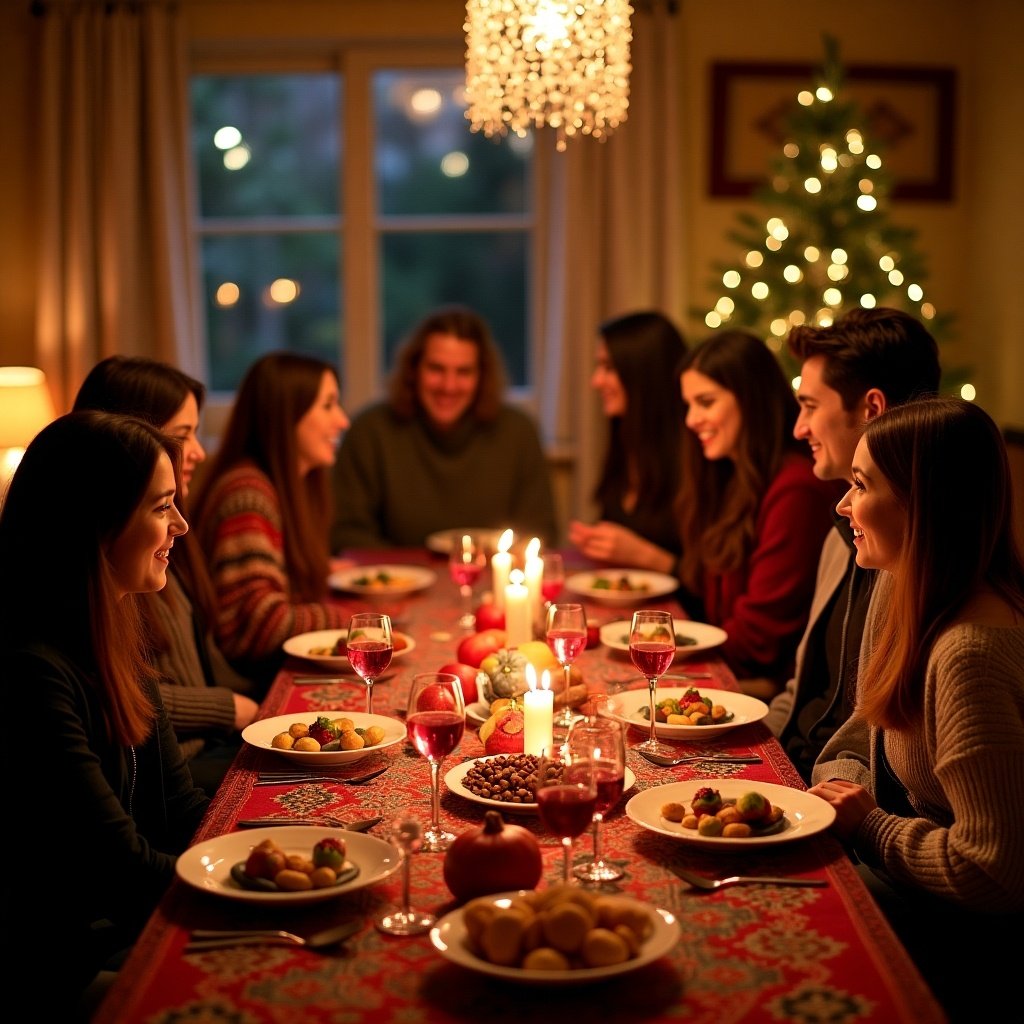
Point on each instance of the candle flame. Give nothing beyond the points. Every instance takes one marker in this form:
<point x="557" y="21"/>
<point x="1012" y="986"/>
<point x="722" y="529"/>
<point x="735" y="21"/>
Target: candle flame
<point x="533" y="548"/>
<point x="505" y="540"/>
<point x="517" y="577"/>
<point x="531" y="676"/>
<point x="545" y="680"/>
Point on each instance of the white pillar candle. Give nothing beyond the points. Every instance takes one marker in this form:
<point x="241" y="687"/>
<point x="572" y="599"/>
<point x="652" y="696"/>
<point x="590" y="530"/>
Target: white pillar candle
<point x="501" y="565"/>
<point x="534" y="569"/>
<point x="538" y="713"/>
<point x="517" y="611"/>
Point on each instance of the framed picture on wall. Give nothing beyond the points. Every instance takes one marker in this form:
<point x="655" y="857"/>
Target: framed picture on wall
<point x="908" y="111"/>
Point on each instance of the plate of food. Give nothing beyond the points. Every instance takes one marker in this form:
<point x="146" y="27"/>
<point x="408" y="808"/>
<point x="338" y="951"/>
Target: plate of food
<point x="441" y="542"/>
<point x="461" y="936"/>
<point x="481" y="779"/>
<point x="663" y="809"/>
<point x="324" y="740"/>
<point x="621" y="586"/>
<point x="680" y="715"/>
<point x="326" y="648"/>
<point x="382" y="580"/>
<point x="691" y="637"/>
<point x="218" y="866"/>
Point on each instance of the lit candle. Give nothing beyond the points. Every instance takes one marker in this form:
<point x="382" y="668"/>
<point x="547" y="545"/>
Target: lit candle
<point x="501" y="565"/>
<point x="534" y="569"/>
<point x="538" y="713"/>
<point x="517" y="611"/>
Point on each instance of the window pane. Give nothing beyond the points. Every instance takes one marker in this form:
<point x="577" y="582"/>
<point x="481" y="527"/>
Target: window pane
<point x="266" y="145"/>
<point x="487" y="271"/>
<point x="429" y="162"/>
<point x="269" y="291"/>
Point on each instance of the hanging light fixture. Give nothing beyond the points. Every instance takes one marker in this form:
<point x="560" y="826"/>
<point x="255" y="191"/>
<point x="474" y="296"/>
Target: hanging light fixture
<point x="560" y="63"/>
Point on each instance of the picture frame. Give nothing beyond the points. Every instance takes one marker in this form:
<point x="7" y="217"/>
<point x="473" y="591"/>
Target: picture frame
<point x="911" y="109"/>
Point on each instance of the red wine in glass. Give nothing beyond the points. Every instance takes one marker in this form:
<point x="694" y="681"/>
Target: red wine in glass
<point x="465" y="574"/>
<point x="550" y="589"/>
<point x="369" y="657"/>
<point x="611" y="781"/>
<point x="435" y="734"/>
<point x="566" y="643"/>
<point x="566" y="810"/>
<point x="652" y="658"/>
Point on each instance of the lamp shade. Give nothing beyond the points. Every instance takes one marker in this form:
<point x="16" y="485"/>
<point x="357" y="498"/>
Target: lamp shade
<point x="25" y="405"/>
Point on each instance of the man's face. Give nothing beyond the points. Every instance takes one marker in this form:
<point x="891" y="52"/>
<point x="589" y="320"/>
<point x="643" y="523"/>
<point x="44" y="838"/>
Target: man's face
<point x="830" y="430"/>
<point x="447" y="379"/>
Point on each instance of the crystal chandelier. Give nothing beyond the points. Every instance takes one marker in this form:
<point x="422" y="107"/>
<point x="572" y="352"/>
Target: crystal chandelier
<point x="562" y="63"/>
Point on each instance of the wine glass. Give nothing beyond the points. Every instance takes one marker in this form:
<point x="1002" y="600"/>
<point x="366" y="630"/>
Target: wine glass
<point x="602" y="740"/>
<point x="435" y="720"/>
<point x="407" y="835"/>
<point x="466" y="561"/>
<point x="369" y="647"/>
<point x="566" y="634"/>
<point x="652" y="646"/>
<point x="566" y="792"/>
<point x="552" y="578"/>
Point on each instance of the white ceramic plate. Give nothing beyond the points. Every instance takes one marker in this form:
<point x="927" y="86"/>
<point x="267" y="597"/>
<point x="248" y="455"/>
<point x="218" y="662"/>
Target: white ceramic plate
<point x="303" y="643"/>
<point x="207" y="865"/>
<point x="453" y="780"/>
<point x="382" y="580"/>
<point x="260" y="735"/>
<point x="441" y="542"/>
<point x="449" y="939"/>
<point x="645" y="586"/>
<point x="616" y="636"/>
<point x="806" y="814"/>
<point x="628" y="707"/>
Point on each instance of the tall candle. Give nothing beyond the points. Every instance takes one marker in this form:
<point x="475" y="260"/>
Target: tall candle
<point x="501" y="565"/>
<point x="538" y="713"/>
<point x="518" y="629"/>
<point x="534" y="569"/>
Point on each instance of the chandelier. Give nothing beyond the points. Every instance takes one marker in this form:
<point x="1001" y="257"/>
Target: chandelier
<point x="561" y="63"/>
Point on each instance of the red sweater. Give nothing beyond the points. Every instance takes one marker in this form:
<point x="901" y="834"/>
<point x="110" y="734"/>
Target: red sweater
<point x="764" y="605"/>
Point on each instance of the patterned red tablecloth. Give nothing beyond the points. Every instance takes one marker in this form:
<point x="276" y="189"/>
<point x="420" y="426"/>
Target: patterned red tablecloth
<point x="747" y="953"/>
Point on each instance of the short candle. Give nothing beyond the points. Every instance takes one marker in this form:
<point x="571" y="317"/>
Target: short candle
<point x="518" y="624"/>
<point x="538" y="713"/>
<point x="501" y="565"/>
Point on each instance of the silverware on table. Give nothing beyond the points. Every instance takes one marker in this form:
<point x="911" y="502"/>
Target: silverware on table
<point x="324" y="821"/>
<point x="670" y="762"/>
<point x="287" y="779"/>
<point x="710" y="884"/>
<point x="323" y="680"/>
<point x="203" y="939"/>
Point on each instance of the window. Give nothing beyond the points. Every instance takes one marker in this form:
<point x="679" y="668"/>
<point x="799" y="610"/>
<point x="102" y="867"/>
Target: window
<point x="339" y="204"/>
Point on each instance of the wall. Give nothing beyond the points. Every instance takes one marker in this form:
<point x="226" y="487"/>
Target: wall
<point x="970" y="242"/>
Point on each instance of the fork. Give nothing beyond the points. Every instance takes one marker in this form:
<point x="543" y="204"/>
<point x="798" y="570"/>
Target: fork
<point x="670" y="762"/>
<point x="288" y="778"/>
<point x="710" y="884"/>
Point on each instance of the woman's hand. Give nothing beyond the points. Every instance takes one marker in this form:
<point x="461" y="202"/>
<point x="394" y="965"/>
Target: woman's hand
<point x="852" y="805"/>
<point x="245" y="711"/>
<point x="610" y="542"/>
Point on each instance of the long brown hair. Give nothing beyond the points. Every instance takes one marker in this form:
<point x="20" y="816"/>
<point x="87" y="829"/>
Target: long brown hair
<point x="466" y="325"/>
<point x="946" y="463"/>
<point x="276" y="392"/>
<point x="86" y="471"/>
<point x="154" y="392"/>
<point x="719" y="500"/>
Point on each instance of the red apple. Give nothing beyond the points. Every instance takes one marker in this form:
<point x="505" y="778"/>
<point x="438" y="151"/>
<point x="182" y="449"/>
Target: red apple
<point x="475" y="647"/>
<point x="435" y="698"/>
<point x="489" y="617"/>
<point x="467" y="676"/>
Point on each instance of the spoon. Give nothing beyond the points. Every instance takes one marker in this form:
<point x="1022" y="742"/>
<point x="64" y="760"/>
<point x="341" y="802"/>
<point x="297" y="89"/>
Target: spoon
<point x="670" y="762"/>
<point x="202" y="939"/>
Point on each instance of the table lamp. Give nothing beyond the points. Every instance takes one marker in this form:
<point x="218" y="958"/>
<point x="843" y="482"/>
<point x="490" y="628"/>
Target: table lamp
<point x="25" y="408"/>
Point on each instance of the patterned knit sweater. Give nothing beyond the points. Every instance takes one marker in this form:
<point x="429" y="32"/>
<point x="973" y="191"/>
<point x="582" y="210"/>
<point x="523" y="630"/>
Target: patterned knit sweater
<point x="242" y="537"/>
<point x="962" y="771"/>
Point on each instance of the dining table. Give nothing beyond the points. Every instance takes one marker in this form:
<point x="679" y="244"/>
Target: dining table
<point x="746" y="953"/>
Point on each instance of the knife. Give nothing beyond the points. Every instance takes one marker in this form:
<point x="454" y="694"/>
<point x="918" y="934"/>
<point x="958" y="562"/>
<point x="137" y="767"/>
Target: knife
<point x="363" y="825"/>
<point x="322" y="680"/>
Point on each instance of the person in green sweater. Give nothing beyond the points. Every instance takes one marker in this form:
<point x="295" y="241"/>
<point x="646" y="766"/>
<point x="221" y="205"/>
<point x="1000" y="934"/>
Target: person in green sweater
<point x="444" y="451"/>
<point x="927" y="775"/>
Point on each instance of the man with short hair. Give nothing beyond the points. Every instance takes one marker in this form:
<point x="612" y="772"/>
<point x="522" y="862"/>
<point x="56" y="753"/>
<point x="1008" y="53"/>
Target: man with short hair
<point x="866" y="361"/>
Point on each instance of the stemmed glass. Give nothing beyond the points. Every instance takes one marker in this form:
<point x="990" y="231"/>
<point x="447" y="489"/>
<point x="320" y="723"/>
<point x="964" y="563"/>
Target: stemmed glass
<point x="566" y="791"/>
<point x="466" y="561"/>
<point x="600" y="739"/>
<point x="652" y="646"/>
<point x="368" y="647"/>
<point x="407" y="836"/>
<point x="566" y="634"/>
<point x="435" y="720"/>
<point x="553" y="578"/>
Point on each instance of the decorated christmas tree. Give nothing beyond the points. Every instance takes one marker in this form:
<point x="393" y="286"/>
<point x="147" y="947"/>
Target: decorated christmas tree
<point x="825" y="242"/>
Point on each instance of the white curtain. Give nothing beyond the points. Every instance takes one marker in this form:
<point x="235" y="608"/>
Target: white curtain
<point x="115" y="270"/>
<point x="613" y="244"/>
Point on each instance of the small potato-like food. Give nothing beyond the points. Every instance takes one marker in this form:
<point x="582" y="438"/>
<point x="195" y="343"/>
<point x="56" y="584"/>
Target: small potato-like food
<point x="689" y="821"/>
<point x="283" y="741"/>
<point x="728" y="814"/>
<point x="306" y="743"/>
<point x="565" y="926"/>
<point x="351" y="740"/>
<point x="737" y="830"/>
<point x="602" y="947"/>
<point x="341" y="724"/>
<point x="709" y="825"/>
<point x="292" y="881"/>
<point x="502" y="936"/>
<point x="476" y="917"/>
<point x="298" y="729"/>
<point x="299" y="862"/>
<point x="373" y="735"/>
<point x="323" y="877"/>
<point x="544" y="958"/>
<point x="673" y="811"/>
